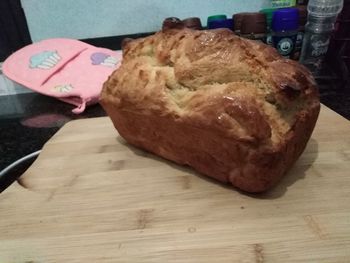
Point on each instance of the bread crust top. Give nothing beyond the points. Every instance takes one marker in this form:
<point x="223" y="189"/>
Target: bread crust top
<point x="215" y="80"/>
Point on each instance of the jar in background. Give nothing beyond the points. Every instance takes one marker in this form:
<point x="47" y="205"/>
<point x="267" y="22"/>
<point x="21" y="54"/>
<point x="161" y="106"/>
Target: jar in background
<point x="171" y="23"/>
<point x="193" y="23"/>
<point x="285" y="25"/>
<point x="219" y="21"/>
<point x="213" y="18"/>
<point x="268" y="13"/>
<point x="237" y="18"/>
<point x="253" y="26"/>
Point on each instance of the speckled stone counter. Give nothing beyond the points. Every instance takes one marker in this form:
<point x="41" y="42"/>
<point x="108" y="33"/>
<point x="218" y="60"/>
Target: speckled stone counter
<point x="27" y="122"/>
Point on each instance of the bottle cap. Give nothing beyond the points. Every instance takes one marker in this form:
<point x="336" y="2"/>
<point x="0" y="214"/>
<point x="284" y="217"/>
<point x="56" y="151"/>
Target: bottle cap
<point x="226" y="23"/>
<point x="216" y="17"/>
<point x="253" y="23"/>
<point x="324" y="8"/>
<point x="268" y="13"/>
<point x="285" y="19"/>
<point x="237" y="18"/>
<point x="193" y="22"/>
<point x="172" y="22"/>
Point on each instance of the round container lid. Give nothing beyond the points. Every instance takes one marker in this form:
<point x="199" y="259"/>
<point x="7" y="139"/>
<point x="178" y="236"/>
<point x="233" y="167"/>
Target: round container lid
<point x="237" y="18"/>
<point x="324" y="8"/>
<point x="227" y="23"/>
<point x="253" y="23"/>
<point x="285" y="19"/>
<point x="216" y="17"/>
<point x="172" y="22"/>
<point x="193" y="22"/>
<point x="268" y="13"/>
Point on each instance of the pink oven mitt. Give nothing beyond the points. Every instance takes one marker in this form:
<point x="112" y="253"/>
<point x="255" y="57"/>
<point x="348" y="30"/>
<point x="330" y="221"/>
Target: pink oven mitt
<point x="67" y="69"/>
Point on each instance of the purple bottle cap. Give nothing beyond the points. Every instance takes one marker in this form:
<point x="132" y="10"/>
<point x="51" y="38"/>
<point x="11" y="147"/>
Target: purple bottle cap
<point x="285" y="19"/>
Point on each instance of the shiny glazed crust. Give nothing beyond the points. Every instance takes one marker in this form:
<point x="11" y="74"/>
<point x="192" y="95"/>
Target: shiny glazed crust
<point x="231" y="108"/>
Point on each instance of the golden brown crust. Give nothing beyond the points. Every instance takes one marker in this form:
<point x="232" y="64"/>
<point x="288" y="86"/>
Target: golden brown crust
<point x="229" y="107"/>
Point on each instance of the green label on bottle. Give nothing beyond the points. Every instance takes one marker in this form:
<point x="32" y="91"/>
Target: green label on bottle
<point x="282" y="3"/>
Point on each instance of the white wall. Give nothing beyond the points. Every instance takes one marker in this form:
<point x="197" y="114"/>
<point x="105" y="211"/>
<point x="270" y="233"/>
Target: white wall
<point x="98" y="18"/>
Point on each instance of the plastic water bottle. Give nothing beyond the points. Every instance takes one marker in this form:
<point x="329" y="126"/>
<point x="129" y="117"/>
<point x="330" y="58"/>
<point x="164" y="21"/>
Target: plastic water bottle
<point x="322" y="15"/>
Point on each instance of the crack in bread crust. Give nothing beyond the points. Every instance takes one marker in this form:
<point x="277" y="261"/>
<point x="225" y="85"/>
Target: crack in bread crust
<point x="238" y="91"/>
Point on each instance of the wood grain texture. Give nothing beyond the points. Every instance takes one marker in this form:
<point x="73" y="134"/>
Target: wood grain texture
<point x="90" y="197"/>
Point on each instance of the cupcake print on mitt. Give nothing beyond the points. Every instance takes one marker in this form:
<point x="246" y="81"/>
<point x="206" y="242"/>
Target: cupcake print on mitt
<point x="99" y="58"/>
<point x="66" y="88"/>
<point x="44" y="60"/>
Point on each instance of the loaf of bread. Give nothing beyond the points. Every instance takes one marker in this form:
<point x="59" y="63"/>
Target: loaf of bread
<point x="231" y="108"/>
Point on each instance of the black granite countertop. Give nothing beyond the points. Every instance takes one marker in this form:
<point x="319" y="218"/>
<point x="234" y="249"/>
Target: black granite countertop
<point x="28" y="121"/>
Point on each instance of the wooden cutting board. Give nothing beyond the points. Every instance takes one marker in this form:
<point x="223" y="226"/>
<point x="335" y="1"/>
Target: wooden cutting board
<point x="90" y="197"/>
